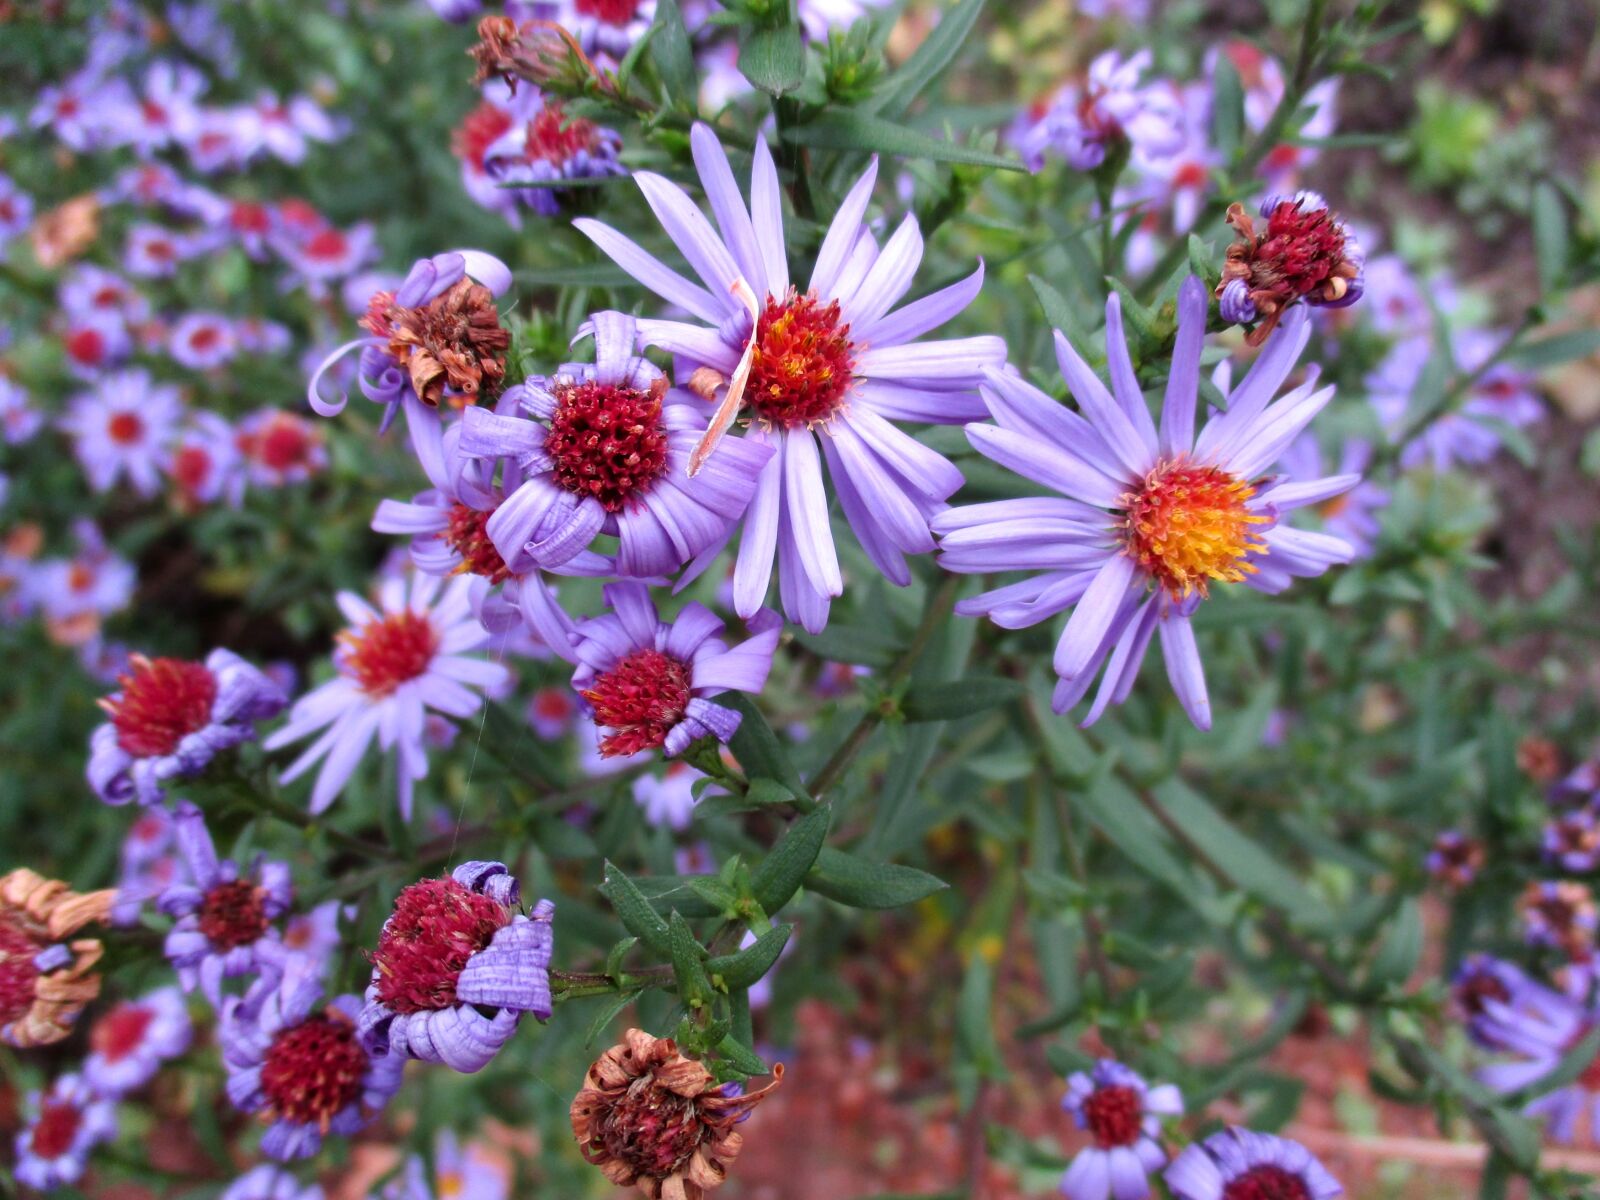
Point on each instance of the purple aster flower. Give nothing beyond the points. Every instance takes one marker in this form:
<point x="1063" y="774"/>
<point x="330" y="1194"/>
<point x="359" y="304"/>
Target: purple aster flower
<point x="1581" y="785"/>
<point x="395" y="662"/>
<point x="279" y="448"/>
<point x="95" y="582"/>
<point x="314" y="936"/>
<point x="1302" y="252"/>
<point x="129" y="1043"/>
<point x="1111" y="105"/>
<point x="1494" y="997"/>
<point x="1180" y="178"/>
<point x="124" y="427"/>
<point x="1351" y="516"/>
<point x="1148" y="518"/>
<point x="320" y="258"/>
<point x="1540" y="1033"/>
<point x="93" y="345"/>
<point x="410" y="329"/>
<point x="16" y="210"/>
<point x="224" y="916"/>
<point x="1571" y="840"/>
<point x="540" y="145"/>
<point x="171" y="718"/>
<point x="270" y="1182"/>
<point x="205" y="464"/>
<point x="552" y="712"/>
<point x="19" y="419"/>
<point x="1559" y="915"/>
<point x="819" y="17"/>
<point x="459" y="1173"/>
<point x="89" y="292"/>
<point x="1397" y="303"/>
<point x="1455" y="859"/>
<point x="829" y="368"/>
<point x="1123" y="1115"/>
<point x="605" y="30"/>
<point x="650" y="683"/>
<point x="149" y="865"/>
<point x="258" y="335"/>
<point x="62" y="1125"/>
<point x="152" y="252"/>
<point x="607" y="451"/>
<point x="1238" y="1164"/>
<point x="221" y="139"/>
<point x="202" y="341"/>
<point x="284" y="128"/>
<point x="166" y="110"/>
<point x="300" y="1065"/>
<point x="667" y="800"/>
<point x="83" y="112"/>
<point x="456" y="967"/>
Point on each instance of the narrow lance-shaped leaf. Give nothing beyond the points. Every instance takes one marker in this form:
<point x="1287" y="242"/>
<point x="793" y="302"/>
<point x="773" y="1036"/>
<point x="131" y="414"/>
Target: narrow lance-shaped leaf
<point x="634" y="911"/>
<point x="781" y="872"/>
<point x="744" y="968"/>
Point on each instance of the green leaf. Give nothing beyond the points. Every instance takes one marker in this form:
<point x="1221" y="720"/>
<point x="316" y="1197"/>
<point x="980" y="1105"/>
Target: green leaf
<point x="714" y="892"/>
<point x="774" y="60"/>
<point x="839" y="642"/>
<point x="744" y="968"/>
<point x="958" y="698"/>
<point x="688" y="965"/>
<point x="928" y="61"/>
<point x="1203" y="261"/>
<point x="1553" y="351"/>
<point x="740" y="1057"/>
<point x="633" y="910"/>
<point x="672" y="54"/>
<point x="861" y="131"/>
<point x="1058" y="312"/>
<point x="617" y="955"/>
<point x="607" y="1014"/>
<point x="861" y="884"/>
<point x="757" y="748"/>
<point x="1138" y="319"/>
<point x="1550" y="238"/>
<point x="1400" y="949"/>
<point x="975" y="1037"/>
<point x="667" y="892"/>
<point x="780" y="874"/>
<point x="1494" y="1183"/>
<point x="1227" y="107"/>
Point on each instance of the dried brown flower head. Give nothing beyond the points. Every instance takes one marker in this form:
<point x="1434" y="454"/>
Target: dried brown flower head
<point x="1539" y="758"/>
<point x="455" y="340"/>
<point x="66" y="231"/>
<point x="45" y="982"/>
<point x="650" y="1117"/>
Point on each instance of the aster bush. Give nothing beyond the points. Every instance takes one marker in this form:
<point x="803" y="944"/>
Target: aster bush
<point x="825" y="598"/>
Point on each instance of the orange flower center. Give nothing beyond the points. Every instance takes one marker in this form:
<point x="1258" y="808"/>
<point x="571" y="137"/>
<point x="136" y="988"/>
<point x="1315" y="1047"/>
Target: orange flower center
<point x="803" y="363"/>
<point x="608" y="441"/>
<point x="1188" y="525"/>
<point x="163" y="701"/>
<point x="314" y="1071"/>
<point x="1113" y="1115"/>
<point x="640" y="699"/>
<point x="232" y="914"/>
<point x="383" y="654"/>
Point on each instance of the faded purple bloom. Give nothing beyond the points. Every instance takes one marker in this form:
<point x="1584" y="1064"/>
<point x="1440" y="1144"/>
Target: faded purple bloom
<point x="828" y="369"/>
<point x="1180" y="178"/>
<point x="62" y="1125"/>
<point x="16" y="211"/>
<point x="124" y="427"/>
<point x="1123" y="1114"/>
<point x="299" y="1064"/>
<point x="1571" y="840"/>
<point x="270" y="1182"/>
<point x="552" y="712"/>
<point x="221" y="139"/>
<point x="314" y="935"/>
<point x="457" y="12"/>
<point x="456" y="967"/>
<point x="128" y="1043"/>
<point x="152" y="252"/>
<point x="167" y="108"/>
<point x="1580" y="785"/>
<point x="91" y="293"/>
<point x="171" y="718"/>
<point x="319" y="259"/>
<point x="150" y="864"/>
<point x="84" y="111"/>
<point x="224" y="916"/>
<point x="19" y="419"/>
<point x="205" y="464"/>
<point x="395" y="662"/>
<point x="605" y="449"/>
<point x="667" y="800"/>
<point x="1148" y="516"/>
<point x="94" y="582"/>
<point x="93" y="345"/>
<point x="459" y="1173"/>
<point x="1559" y="915"/>
<point x="1540" y="1027"/>
<point x="1351" y="516"/>
<point x="609" y="30"/>
<point x="283" y="128"/>
<point x="202" y="341"/>
<point x="258" y="335"/>
<point x="1227" y="1163"/>
<point x="1084" y="120"/>
<point x="279" y="448"/>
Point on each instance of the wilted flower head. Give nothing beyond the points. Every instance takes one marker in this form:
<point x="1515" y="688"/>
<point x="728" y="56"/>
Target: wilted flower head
<point x="1123" y="1115"/>
<point x="1571" y="841"/>
<point x="171" y="718"/>
<point x="456" y="967"/>
<point x="45" y="980"/>
<point x="1086" y="121"/>
<point x="64" y="1123"/>
<point x="300" y="1065"/>
<point x="1455" y="858"/>
<point x="224" y="915"/>
<point x="1303" y="252"/>
<point x="649" y="1117"/>
<point x="128" y="1043"/>
<point x="1560" y="915"/>
<point x="1238" y="1164"/>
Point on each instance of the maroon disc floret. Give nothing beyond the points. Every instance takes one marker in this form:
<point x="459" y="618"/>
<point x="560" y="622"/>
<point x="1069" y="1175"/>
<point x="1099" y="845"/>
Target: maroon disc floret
<point x="314" y="1070"/>
<point x="609" y="441"/>
<point x="232" y="914"/>
<point x="56" y="1129"/>
<point x="1114" y="1115"/>
<point x="653" y="1130"/>
<point x="163" y="700"/>
<point x="467" y="534"/>
<point x="121" y="1031"/>
<point x="1266" y="1182"/>
<point x="437" y="925"/>
<point x="18" y="975"/>
<point x="640" y="700"/>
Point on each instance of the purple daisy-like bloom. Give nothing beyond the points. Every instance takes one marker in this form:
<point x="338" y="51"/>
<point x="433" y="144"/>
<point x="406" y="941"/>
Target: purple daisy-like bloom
<point x="128" y="1044"/>
<point x="1123" y="1114"/>
<point x="828" y="368"/>
<point x="90" y="292"/>
<point x="1351" y="516"/>
<point x="123" y="427"/>
<point x="16" y="210"/>
<point x="63" y="1124"/>
<point x="459" y="1173"/>
<point x="456" y="968"/>
<point x="319" y="258"/>
<point x="314" y="936"/>
<point x="95" y="582"/>
<point x="667" y="800"/>
<point x="395" y="662"/>
<point x="386" y="374"/>
<point x="1111" y="105"/>
<point x="299" y="1063"/>
<point x="202" y="341"/>
<point x="224" y="916"/>
<point x="149" y="865"/>
<point x="1226" y="1164"/>
<point x="1571" y="840"/>
<point x="270" y="1182"/>
<point x="166" y="110"/>
<point x="205" y="464"/>
<point x="605" y="449"/>
<point x="171" y="718"/>
<point x="278" y="448"/>
<point x="152" y="252"/>
<point x="1148" y="517"/>
<point x="1540" y="1034"/>
<point x="649" y="683"/>
<point x="83" y="112"/>
<point x="19" y="419"/>
<point x="93" y="345"/>
<point x="542" y="145"/>
<point x="607" y="29"/>
<point x="1494" y="996"/>
<point x="285" y="128"/>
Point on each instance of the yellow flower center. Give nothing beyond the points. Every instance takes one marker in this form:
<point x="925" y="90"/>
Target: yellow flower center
<point x="1188" y="525"/>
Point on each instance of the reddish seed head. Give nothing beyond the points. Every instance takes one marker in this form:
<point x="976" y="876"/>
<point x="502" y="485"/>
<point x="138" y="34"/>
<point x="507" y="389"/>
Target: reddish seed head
<point x="554" y="137"/>
<point x="609" y="12"/>
<point x="121" y="1031"/>
<point x="87" y="346"/>
<point x="18" y="975"/>
<point x="1113" y="1115"/>
<point x="651" y="1129"/>
<point x="163" y="700"/>
<point x="437" y="925"/>
<point x="608" y="441"/>
<point x="1266" y="1183"/>
<point x="56" y="1129"/>
<point x="1188" y="525"/>
<point x="1300" y="247"/>
<point x="480" y="129"/>
<point x="467" y="536"/>
<point x="232" y="914"/>
<point x="641" y="699"/>
<point x="313" y="1071"/>
<point x="154" y="113"/>
<point x="383" y="654"/>
<point x="803" y="362"/>
<point x="125" y="428"/>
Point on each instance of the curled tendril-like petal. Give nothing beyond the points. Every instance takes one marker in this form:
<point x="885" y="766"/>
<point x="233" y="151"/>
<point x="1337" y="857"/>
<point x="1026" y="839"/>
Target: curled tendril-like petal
<point x="331" y="408"/>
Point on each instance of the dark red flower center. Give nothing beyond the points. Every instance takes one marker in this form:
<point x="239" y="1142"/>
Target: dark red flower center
<point x="329" y="243"/>
<point x="467" y="537"/>
<point x="121" y="1031"/>
<point x="609" y="12"/>
<point x="250" y="218"/>
<point x="639" y="700"/>
<point x="18" y="975"/>
<point x="482" y="128"/>
<point x="608" y="441"/>
<point x="125" y="428"/>
<point x="803" y="363"/>
<point x="651" y="1129"/>
<point x="86" y="346"/>
<point x="1188" y="525"/>
<point x="56" y="1129"/>
<point x="154" y="114"/>
<point x="437" y="925"/>
<point x="232" y="914"/>
<point x="1113" y="1115"/>
<point x="555" y="137"/>
<point x="205" y="338"/>
<point x="383" y="654"/>
<point x="281" y="444"/>
<point x="191" y="467"/>
<point x="313" y="1071"/>
<point x="1266" y="1182"/>
<point x="163" y="700"/>
<point x="1300" y="247"/>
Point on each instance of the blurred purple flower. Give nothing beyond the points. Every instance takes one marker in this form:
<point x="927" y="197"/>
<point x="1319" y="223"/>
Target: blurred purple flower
<point x="1112" y="104"/>
<point x="1123" y="1114"/>
<point x="129" y="1042"/>
<point x="61" y="1126"/>
<point x="1240" y="1163"/>
<point x="124" y="426"/>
